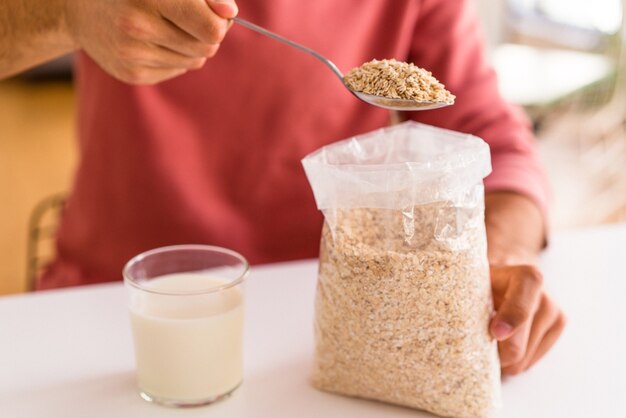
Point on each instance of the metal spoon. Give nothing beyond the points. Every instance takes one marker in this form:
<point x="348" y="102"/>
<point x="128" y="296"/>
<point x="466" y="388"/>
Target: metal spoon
<point x="380" y="101"/>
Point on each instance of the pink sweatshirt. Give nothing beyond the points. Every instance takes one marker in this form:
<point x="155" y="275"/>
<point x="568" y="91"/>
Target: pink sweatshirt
<point x="214" y="156"/>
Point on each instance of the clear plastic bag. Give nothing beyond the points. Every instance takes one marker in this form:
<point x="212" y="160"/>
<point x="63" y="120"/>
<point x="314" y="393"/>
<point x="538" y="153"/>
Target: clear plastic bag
<point x="404" y="299"/>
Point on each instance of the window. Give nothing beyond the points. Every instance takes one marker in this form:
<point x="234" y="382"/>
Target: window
<point x="579" y="23"/>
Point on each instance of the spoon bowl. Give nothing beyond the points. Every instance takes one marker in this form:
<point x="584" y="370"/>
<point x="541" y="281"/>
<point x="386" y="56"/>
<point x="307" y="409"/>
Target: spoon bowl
<point x="398" y="104"/>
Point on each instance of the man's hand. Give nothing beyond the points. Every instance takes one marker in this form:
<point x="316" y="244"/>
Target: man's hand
<point x="148" y="41"/>
<point x="527" y="322"/>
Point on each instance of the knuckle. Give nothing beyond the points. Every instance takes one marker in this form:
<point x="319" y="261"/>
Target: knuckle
<point x="128" y="54"/>
<point x="514" y="370"/>
<point x="135" y="76"/>
<point x="546" y="303"/>
<point x="215" y="32"/>
<point x="512" y="355"/>
<point x="532" y="274"/>
<point x="554" y="312"/>
<point x="131" y="25"/>
<point x="516" y="315"/>
<point x="151" y="81"/>
<point x="208" y="50"/>
<point x="212" y="51"/>
<point x="197" y="63"/>
<point x="561" y="321"/>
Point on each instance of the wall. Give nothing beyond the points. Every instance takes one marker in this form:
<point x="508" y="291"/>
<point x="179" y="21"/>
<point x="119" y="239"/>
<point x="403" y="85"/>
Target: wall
<point x="37" y="156"/>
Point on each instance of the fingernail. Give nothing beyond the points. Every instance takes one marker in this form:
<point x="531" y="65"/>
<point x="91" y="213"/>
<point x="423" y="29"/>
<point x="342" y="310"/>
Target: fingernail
<point x="234" y="9"/>
<point x="501" y="330"/>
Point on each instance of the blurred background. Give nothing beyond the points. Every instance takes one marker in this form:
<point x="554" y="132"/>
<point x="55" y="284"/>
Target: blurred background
<point x="562" y="61"/>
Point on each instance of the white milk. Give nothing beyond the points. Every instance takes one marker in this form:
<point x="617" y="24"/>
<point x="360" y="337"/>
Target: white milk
<point x="188" y="348"/>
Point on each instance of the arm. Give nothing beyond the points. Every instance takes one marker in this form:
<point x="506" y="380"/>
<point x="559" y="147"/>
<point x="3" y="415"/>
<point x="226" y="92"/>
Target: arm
<point x="31" y="32"/>
<point x="135" y="41"/>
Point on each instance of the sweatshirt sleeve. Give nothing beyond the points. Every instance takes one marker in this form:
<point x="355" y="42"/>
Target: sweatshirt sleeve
<point x="448" y="41"/>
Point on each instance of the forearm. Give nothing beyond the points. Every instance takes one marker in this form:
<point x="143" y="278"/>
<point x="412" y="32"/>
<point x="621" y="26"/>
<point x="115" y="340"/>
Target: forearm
<point x="515" y="228"/>
<point x="31" y="32"/>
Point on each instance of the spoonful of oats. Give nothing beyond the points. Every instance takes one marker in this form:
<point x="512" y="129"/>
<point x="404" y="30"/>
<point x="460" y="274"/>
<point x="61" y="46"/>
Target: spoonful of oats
<point x="389" y="84"/>
<point x="397" y="85"/>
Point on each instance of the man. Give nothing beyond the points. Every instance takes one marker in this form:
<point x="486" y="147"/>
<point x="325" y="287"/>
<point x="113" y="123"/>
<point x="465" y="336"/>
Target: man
<point x="171" y="155"/>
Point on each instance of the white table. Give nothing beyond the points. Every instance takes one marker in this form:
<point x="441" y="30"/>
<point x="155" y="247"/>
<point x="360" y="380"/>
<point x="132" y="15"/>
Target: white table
<point x="68" y="353"/>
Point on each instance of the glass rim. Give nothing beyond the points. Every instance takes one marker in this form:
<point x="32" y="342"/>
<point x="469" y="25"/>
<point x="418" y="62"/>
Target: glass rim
<point x="129" y="280"/>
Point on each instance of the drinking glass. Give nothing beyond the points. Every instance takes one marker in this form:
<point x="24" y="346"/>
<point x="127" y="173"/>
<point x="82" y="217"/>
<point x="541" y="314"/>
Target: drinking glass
<point x="187" y="313"/>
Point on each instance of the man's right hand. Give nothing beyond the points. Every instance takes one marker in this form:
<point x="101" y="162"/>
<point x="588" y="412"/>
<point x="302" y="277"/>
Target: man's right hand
<point x="149" y="41"/>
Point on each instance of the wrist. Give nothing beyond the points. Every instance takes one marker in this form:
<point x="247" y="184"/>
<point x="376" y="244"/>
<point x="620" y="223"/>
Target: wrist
<point x="36" y="33"/>
<point x="515" y="229"/>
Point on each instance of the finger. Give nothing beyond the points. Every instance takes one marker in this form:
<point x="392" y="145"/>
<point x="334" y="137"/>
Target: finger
<point x="195" y="18"/>
<point x="145" y="55"/>
<point x="226" y="9"/>
<point x="147" y="75"/>
<point x="167" y="59"/>
<point x="542" y="321"/>
<point x="519" y="302"/>
<point x="513" y="350"/>
<point x="549" y="339"/>
<point x="163" y="33"/>
<point x="158" y="31"/>
<point x="184" y="44"/>
<point x="545" y="318"/>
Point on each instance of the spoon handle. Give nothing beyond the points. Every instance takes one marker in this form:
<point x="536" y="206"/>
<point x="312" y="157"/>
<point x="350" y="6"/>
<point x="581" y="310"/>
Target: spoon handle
<point x="272" y="35"/>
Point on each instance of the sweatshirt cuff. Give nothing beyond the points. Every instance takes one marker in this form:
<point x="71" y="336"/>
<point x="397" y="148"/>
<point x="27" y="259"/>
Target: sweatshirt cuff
<point x="520" y="174"/>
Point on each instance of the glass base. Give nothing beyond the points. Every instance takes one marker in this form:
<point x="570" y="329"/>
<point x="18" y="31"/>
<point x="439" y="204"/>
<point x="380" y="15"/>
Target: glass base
<point x="175" y="403"/>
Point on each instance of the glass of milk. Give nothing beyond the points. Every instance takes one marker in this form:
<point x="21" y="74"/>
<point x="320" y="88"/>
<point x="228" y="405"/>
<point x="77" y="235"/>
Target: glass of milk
<point x="186" y="310"/>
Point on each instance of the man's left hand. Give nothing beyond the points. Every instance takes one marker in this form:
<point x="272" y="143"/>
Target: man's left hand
<point x="527" y="321"/>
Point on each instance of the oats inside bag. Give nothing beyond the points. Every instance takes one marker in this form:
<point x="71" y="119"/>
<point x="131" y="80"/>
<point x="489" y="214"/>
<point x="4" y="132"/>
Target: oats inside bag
<point x="403" y="299"/>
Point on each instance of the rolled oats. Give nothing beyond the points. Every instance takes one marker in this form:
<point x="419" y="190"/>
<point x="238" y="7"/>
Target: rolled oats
<point x="397" y="80"/>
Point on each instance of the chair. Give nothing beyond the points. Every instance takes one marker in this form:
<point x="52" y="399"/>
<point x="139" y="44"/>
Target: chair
<point x="42" y="227"/>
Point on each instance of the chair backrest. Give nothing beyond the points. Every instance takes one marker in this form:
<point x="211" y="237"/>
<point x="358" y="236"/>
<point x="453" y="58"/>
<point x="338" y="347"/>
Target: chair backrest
<point x="42" y="227"/>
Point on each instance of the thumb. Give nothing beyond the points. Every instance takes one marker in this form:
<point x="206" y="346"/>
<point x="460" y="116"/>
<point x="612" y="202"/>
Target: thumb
<point x="521" y="300"/>
<point x="226" y="9"/>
